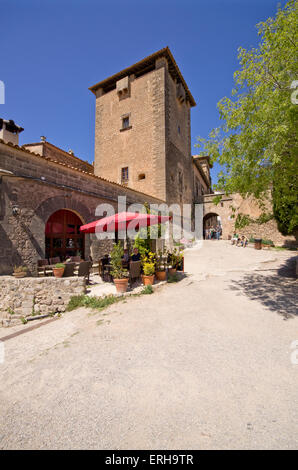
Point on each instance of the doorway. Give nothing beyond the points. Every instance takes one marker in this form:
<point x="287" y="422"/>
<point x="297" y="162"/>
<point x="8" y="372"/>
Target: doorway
<point x="62" y="235"/>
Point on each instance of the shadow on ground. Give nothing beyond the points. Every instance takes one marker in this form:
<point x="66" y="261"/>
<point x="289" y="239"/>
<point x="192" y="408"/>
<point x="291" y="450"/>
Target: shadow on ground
<point x="276" y="289"/>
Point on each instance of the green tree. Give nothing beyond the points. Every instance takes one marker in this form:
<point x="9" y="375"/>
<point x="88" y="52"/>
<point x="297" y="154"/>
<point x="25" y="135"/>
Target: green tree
<point x="257" y="142"/>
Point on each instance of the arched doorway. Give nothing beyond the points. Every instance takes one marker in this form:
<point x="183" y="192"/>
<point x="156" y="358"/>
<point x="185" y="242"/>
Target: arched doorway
<point x="62" y="235"/>
<point x="211" y="220"/>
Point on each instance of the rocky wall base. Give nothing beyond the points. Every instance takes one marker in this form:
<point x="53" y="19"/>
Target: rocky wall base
<point x="26" y="297"/>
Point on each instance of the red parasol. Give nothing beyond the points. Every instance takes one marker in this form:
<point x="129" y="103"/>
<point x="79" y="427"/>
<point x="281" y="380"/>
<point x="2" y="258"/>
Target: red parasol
<point x="121" y="221"/>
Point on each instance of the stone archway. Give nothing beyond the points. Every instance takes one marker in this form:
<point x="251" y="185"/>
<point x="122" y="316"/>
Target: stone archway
<point x="223" y="209"/>
<point x="210" y="220"/>
<point x="62" y="235"/>
<point x="53" y="204"/>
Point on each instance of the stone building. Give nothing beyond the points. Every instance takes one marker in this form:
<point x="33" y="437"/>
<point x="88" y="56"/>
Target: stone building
<point x="201" y="177"/>
<point x="43" y="201"/>
<point x="142" y="152"/>
<point x="230" y="206"/>
<point x="142" y="125"/>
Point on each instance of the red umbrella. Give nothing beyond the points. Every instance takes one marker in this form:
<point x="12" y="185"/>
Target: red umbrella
<point x="121" y="221"/>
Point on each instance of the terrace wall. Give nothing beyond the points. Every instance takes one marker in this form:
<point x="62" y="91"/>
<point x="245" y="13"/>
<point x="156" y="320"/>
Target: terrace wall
<point x="29" y="297"/>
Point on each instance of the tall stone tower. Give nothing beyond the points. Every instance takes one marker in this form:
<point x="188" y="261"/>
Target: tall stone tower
<point x="142" y="129"/>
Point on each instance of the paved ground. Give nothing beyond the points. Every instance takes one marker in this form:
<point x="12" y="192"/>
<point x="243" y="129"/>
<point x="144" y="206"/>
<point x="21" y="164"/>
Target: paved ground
<point x="201" y="364"/>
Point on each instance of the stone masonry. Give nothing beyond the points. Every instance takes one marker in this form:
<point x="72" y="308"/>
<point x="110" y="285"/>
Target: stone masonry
<point x="38" y="186"/>
<point x="156" y="145"/>
<point x="267" y="231"/>
<point x="29" y="297"/>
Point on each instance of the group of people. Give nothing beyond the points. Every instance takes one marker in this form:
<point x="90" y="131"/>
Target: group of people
<point x="239" y="241"/>
<point x="213" y="233"/>
<point x="134" y="257"/>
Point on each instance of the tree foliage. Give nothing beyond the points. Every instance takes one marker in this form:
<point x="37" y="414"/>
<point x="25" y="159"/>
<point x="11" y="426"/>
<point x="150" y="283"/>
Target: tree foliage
<point x="257" y="142"/>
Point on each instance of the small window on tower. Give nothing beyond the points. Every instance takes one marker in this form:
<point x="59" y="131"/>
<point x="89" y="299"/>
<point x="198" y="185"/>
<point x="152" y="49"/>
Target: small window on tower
<point x="142" y="176"/>
<point x="124" y="175"/>
<point x="179" y="130"/>
<point x="125" y="122"/>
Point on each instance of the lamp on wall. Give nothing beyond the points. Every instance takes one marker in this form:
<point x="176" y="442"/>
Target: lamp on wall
<point x="15" y="210"/>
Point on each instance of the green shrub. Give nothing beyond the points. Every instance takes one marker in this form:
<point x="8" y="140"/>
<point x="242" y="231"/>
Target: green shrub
<point x="148" y="263"/>
<point x="98" y="303"/>
<point x="147" y="290"/>
<point x="176" y="257"/>
<point x="264" y="241"/>
<point x="118" y="272"/>
<point x="20" y="269"/>
<point x="267" y="242"/>
<point x="142" y="244"/>
<point x="75" y="301"/>
<point x="59" y="265"/>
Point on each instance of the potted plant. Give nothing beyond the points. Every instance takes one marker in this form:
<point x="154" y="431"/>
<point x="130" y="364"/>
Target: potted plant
<point x="118" y="272"/>
<point x="148" y="263"/>
<point x="58" y="269"/>
<point x="160" y="266"/>
<point x="175" y="260"/>
<point x="20" y="271"/>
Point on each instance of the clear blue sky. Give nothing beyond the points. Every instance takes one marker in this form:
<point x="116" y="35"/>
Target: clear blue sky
<point x="53" y="50"/>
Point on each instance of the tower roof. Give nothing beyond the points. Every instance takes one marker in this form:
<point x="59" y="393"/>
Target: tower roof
<point x="201" y="158"/>
<point x="144" y="66"/>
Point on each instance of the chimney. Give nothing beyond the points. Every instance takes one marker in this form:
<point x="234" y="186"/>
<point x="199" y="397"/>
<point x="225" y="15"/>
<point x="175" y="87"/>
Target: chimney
<point x="9" y="131"/>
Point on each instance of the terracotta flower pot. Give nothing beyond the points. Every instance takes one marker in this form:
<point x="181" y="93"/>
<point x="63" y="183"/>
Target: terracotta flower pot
<point x="160" y="275"/>
<point x="121" y="285"/>
<point x="58" y="272"/>
<point x="172" y="271"/>
<point x="20" y="274"/>
<point x="148" y="280"/>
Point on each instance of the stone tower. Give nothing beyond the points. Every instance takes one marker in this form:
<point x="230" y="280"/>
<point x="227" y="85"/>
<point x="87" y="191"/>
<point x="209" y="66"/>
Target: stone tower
<point x="142" y="129"/>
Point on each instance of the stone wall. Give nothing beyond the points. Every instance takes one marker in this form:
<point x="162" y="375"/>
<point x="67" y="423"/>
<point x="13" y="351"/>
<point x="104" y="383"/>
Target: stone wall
<point x="157" y="144"/>
<point x="27" y="297"/>
<point x="39" y="187"/>
<point x="179" y="165"/>
<point x="268" y="231"/>
<point x="100" y="248"/>
<point x="200" y="185"/>
<point x="234" y="204"/>
<point x="46" y="149"/>
<point x="135" y="146"/>
<point x="179" y="176"/>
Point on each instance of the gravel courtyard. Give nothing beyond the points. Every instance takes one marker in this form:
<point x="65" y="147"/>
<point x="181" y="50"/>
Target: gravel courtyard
<point x="201" y="364"/>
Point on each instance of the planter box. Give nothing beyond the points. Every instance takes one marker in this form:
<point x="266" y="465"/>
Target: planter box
<point x="20" y="274"/>
<point x="148" y="280"/>
<point x="161" y="275"/>
<point x="121" y="285"/>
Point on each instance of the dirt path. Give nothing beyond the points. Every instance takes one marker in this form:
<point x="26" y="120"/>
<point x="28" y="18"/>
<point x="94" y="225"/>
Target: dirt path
<point x="204" y="363"/>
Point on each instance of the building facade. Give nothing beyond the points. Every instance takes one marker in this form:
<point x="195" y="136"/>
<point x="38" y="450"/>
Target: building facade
<point x="142" y="129"/>
<point x="142" y="152"/>
<point x="43" y="202"/>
